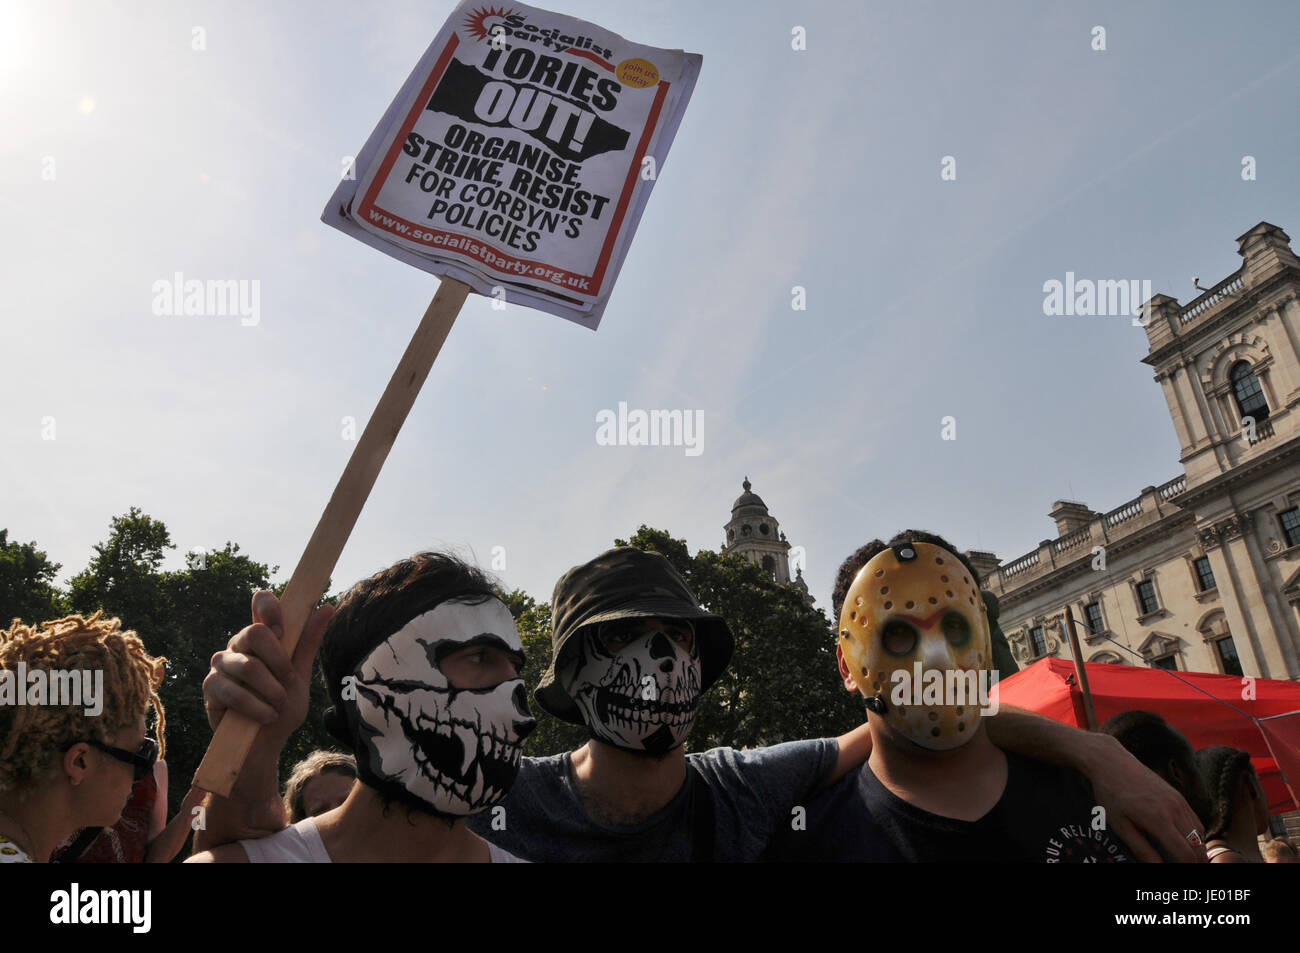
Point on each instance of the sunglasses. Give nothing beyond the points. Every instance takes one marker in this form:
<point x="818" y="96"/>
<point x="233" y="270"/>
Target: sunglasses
<point x="142" y="760"/>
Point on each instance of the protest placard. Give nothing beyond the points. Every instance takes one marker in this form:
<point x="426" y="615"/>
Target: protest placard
<point x="515" y="161"/>
<point x="519" y="155"/>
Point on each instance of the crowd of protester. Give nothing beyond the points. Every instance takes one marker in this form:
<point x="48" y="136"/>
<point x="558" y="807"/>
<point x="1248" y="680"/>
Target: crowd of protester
<point x="422" y="664"/>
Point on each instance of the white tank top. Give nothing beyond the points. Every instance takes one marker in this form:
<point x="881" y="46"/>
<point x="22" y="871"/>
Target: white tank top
<point x="301" y="844"/>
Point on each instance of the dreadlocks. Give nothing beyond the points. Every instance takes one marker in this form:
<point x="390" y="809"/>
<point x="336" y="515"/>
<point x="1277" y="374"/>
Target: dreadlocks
<point x="31" y="734"/>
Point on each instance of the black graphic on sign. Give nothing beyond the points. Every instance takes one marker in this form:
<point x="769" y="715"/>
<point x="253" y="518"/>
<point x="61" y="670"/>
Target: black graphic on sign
<point x="570" y="129"/>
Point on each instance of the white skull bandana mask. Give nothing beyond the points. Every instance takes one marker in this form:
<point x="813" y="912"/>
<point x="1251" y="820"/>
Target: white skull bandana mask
<point x="642" y="698"/>
<point x="456" y="750"/>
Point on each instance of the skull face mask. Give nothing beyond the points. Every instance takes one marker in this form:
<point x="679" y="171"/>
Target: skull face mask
<point x="914" y="609"/>
<point x="637" y="690"/>
<point x="455" y="749"/>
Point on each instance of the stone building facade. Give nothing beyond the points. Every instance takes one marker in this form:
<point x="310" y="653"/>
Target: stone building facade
<point x="1202" y="572"/>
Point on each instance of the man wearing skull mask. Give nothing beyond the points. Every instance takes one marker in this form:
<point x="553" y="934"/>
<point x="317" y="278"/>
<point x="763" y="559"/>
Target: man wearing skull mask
<point x="421" y="663"/>
<point x="630" y="646"/>
<point x="632" y="654"/>
<point x="936" y="787"/>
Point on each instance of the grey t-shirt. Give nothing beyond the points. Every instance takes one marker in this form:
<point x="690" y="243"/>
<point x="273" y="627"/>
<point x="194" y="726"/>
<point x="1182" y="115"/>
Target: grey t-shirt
<point x="752" y="791"/>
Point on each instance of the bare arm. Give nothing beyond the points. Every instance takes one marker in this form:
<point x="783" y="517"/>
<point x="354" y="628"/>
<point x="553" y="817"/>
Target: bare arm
<point x="855" y="748"/>
<point x="158" y="816"/>
<point x="1229" y="857"/>
<point x="255" y="677"/>
<point x="1141" y="809"/>
<point x="169" y="842"/>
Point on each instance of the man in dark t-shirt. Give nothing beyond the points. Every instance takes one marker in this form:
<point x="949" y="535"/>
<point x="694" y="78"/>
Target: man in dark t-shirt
<point x="914" y="641"/>
<point x="1046" y="814"/>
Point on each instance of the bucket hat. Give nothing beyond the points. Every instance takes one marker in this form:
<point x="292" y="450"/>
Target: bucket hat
<point x="626" y="583"/>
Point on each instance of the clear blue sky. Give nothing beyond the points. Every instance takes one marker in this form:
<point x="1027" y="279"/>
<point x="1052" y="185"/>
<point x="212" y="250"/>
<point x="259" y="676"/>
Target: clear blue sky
<point x="817" y="168"/>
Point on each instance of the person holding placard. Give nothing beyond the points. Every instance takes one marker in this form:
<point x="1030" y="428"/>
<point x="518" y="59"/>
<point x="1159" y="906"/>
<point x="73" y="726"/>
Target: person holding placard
<point x="633" y="652"/>
<point x="421" y="662"/>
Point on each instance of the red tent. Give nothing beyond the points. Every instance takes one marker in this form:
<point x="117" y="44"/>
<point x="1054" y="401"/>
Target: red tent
<point x="1208" y="709"/>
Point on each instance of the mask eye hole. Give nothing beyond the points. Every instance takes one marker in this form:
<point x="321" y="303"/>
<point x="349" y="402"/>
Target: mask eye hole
<point x="955" y="629"/>
<point x="898" y="637"/>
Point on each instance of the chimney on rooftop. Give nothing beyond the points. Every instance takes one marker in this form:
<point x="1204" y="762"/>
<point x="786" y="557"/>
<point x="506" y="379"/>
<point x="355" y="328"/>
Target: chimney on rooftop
<point x="1070" y="515"/>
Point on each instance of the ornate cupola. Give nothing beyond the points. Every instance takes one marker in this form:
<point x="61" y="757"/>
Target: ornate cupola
<point x="754" y="533"/>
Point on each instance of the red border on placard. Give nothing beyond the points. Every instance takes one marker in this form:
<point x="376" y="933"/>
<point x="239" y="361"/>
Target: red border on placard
<point x="367" y="205"/>
<point x="651" y="121"/>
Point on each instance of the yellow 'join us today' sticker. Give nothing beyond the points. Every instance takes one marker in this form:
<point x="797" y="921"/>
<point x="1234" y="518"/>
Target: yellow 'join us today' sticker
<point x="637" y="73"/>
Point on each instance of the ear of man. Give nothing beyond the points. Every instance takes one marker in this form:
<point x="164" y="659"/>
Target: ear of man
<point x="845" y="674"/>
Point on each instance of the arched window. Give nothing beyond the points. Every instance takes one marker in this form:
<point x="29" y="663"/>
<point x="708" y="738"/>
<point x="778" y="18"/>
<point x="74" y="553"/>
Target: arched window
<point x="1214" y="629"/>
<point x="1250" y="396"/>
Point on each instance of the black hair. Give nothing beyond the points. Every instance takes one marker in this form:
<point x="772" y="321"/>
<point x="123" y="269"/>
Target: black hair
<point x="1156" y="743"/>
<point x="864" y="554"/>
<point x="1151" y="739"/>
<point x="372" y="611"/>
<point x="1223" y="768"/>
<point x="375" y="608"/>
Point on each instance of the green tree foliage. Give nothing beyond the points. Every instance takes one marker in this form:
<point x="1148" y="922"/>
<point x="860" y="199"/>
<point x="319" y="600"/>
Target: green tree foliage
<point x="783" y="682"/>
<point x="27" y="589"/>
<point x="186" y="616"/>
<point x="123" y="577"/>
<point x="533" y="620"/>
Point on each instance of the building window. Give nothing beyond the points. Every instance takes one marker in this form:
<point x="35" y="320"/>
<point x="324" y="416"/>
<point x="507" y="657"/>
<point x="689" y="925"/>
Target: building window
<point x="1204" y="574"/>
<point x="1092" y="616"/>
<point x="764" y="528"/>
<point x="1250" y="396"/>
<point x="769" y="564"/>
<point x="1146" y="593"/>
<point x="1037" y="640"/>
<point x="1165" y="662"/>
<point x="1291" y="526"/>
<point x="1228" y="656"/>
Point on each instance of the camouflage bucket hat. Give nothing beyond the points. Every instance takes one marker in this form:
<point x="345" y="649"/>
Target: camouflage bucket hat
<point x="626" y="583"/>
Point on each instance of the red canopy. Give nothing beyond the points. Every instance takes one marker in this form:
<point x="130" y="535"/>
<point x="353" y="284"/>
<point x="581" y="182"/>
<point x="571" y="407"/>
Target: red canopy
<point x="1208" y="709"/>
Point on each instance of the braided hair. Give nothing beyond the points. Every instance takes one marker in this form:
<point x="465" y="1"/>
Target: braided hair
<point x="30" y="735"/>
<point x="1223" y="768"/>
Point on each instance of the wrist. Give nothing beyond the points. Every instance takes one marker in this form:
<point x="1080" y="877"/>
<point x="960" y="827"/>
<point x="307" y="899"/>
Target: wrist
<point x="1091" y="750"/>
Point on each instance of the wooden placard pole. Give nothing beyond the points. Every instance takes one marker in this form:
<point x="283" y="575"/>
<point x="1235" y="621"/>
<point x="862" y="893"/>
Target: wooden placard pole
<point x="1080" y="670"/>
<point x="234" y="736"/>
